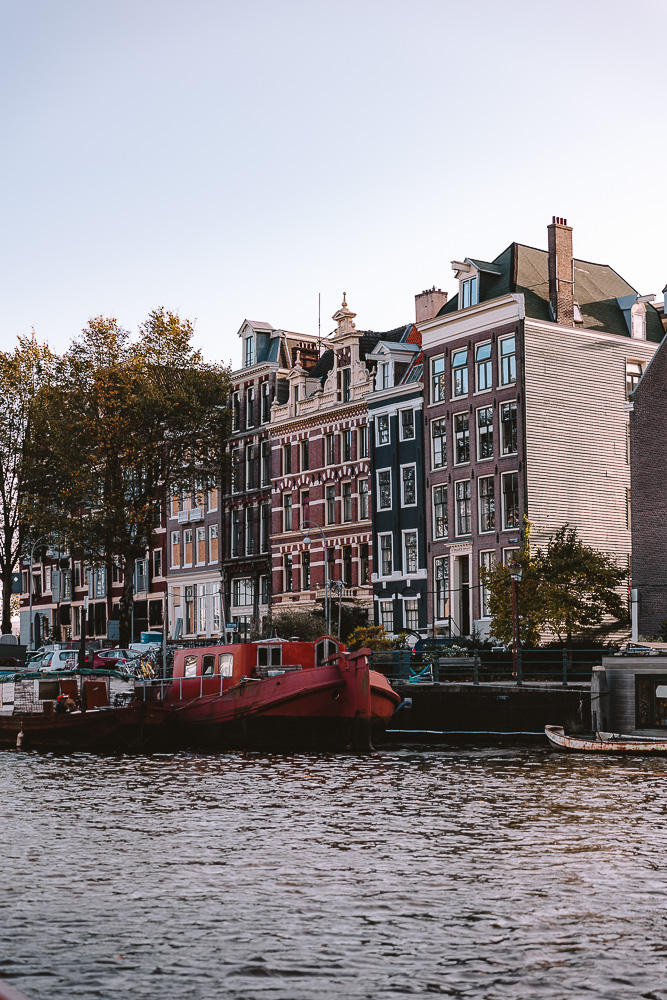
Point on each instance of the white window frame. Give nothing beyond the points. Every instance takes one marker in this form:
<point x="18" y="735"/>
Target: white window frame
<point x="483" y="364"/>
<point x="247" y="590"/>
<point x="478" y="436"/>
<point x="412" y="610"/>
<point x="415" y="532"/>
<point x="447" y="597"/>
<point x="343" y="499"/>
<point x="469" y="289"/>
<point x="250" y="395"/>
<point x="175" y="540"/>
<point x="508" y="402"/>
<point x="390" y="536"/>
<point x="367" y="495"/>
<point x="213" y="533"/>
<point x="483" y="592"/>
<point x="413" y="466"/>
<point x="434" y="519"/>
<point x="457" y="533"/>
<point x="362" y="441"/>
<point x="442" y="465"/>
<point x="391" y="488"/>
<point x="481" y="530"/>
<point x="382" y="603"/>
<point x="407" y="409"/>
<point x="504" y="475"/>
<point x="379" y="443"/>
<point x="460" y="368"/>
<point x="188" y="531"/>
<point x="265" y="394"/>
<point x="461" y="413"/>
<point x="438" y="379"/>
<point x="249" y="351"/>
<point x="501" y="341"/>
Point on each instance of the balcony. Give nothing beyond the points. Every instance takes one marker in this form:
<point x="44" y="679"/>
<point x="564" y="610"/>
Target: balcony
<point x="197" y="514"/>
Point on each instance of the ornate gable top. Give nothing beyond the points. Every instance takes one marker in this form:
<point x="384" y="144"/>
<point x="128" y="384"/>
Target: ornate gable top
<point x="344" y="317"/>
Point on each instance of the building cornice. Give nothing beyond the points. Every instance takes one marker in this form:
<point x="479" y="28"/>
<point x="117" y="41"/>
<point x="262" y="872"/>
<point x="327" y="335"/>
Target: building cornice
<point x="504" y="310"/>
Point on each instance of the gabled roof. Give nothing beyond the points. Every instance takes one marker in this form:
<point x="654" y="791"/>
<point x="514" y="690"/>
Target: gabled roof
<point x="597" y="287"/>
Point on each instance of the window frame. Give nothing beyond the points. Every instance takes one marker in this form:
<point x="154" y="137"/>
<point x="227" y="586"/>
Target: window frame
<point x="401" y="425"/>
<point x="439" y="422"/>
<point x="468" y="514"/>
<point x="438" y="379"/>
<point x="484" y="365"/>
<point x="364" y="506"/>
<point x="434" y="507"/>
<point x="512" y="365"/>
<point x="403" y="468"/>
<point x="508" y="403"/>
<point x="503" y="478"/>
<point x="381" y="550"/>
<point x="378" y="473"/>
<point x="382" y="417"/>
<point x="404" y="551"/>
<point x="482" y="502"/>
<point x="484" y="594"/>
<point x="466" y="438"/>
<point x="458" y="392"/>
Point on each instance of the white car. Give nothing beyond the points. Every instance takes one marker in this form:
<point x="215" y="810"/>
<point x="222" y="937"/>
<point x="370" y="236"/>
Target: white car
<point x="60" y="659"/>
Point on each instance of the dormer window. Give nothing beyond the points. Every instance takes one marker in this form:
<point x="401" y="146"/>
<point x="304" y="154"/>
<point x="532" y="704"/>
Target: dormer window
<point x="638" y="321"/>
<point x="385" y="375"/>
<point x="249" y="352"/>
<point x="469" y="292"/>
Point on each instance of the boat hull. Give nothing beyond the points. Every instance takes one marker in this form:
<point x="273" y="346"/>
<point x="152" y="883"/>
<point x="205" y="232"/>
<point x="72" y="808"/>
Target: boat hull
<point x="611" y="745"/>
<point x="317" y="708"/>
<point x="131" y="727"/>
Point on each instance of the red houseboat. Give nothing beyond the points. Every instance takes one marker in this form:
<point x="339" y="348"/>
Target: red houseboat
<point x="276" y="693"/>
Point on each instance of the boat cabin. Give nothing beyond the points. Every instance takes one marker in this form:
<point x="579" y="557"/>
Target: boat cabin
<point x="629" y="694"/>
<point x="209" y="669"/>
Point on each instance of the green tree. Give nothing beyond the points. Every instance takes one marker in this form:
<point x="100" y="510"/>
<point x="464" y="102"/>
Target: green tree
<point x="304" y="625"/>
<point x="371" y="637"/>
<point x="499" y="586"/>
<point x="579" y="588"/>
<point x="121" y="425"/>
<point x="21" y="372"/>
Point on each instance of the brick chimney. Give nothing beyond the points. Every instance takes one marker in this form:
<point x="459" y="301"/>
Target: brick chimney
<point x="561" y="272"/>
<point x="429" y="303"/>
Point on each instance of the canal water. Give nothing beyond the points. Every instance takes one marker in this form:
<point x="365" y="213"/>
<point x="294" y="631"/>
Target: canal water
<point x="470" y="873"/>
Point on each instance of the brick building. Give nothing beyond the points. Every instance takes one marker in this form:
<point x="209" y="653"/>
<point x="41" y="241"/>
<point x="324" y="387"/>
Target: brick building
<point x="321" y="471"/>
<point x="525" y="386"/>
<point x="648" y="461"/>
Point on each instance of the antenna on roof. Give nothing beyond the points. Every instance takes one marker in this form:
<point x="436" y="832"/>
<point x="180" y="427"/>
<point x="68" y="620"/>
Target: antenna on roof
<point x="319" y="323"/>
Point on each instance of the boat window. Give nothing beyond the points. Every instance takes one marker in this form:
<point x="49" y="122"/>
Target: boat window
<point x="320" y="653"/>
<point x="651" y="702"/>
<point x="263" y="656"/>
<point x="208" y="665"/>
<point x="190" y="664"/>
<point x="333" y="649"/>
<point x="269" y="655"/>
<point x="276" y="656"/>
<point x="226" y="664"/>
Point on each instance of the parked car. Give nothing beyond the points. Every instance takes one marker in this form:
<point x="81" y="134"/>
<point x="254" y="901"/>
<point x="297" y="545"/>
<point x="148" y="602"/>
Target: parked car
<point x="441" y="645"/>
<point x="59" y="659"/>
<point x="112" y="658"/>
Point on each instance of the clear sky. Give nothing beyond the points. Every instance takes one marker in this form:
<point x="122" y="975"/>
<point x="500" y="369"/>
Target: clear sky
<point x="235" y="159"/>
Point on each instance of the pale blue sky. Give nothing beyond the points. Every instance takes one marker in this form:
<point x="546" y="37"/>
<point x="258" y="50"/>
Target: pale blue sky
<point x="232" y="160"/>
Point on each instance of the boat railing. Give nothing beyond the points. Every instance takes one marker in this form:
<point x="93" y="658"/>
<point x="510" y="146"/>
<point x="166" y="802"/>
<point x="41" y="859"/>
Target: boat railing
<point x="157" y="688"/>
<point x="479" y="666"/>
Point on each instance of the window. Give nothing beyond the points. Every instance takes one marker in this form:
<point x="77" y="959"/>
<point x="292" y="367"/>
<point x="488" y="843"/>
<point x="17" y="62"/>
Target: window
<point x="441" y="576"/>
<point x="408" y="485"/>
<point x="346" y="450"/>
<point x="508" y="428"/>
<point x="236" y="412"/>
<point x="440" y="526"/>
<point x="266" y="403"/>
<point x="510" y="556"/>
<point x="461" y="439"/>
<point x="212" y="543"/>
<point x="305" y="465"/>
<point x="460" y="373"/>
<point x="384" y="489"/>
<point x="305" y="570"/>
<point x="346" y="492"/>
<point x="409" y="552"/>
<point x="263" y="590"/>
<point x="363" y="500"/>
<point x="633" y="373"/>
<point x="346" y="381"/>
<point x="385" y="375"/>
<point x="331" y="562"/>
<point x="364" y="566"/>
<point x="387" y="615"/>
<point x="386" y="552"/>
<point x="213" y="499"/>
<point x="411" y="613"/>
<point x="438" y="386"/>
<point x="469" y="292"/>
<point x="187" y="544"/>
<point x="628" y="508"/>
<point x="362" y="442"/>
<point x="439" y="439"/>
<point x="236" y="532"/>
<point x="287" y="512"/>
<point x="486" y="563"/>
<point x="266" y="463"/>
<point x="101" y="578"/>
<point x="331" y="504"/>
<point x="383" y="429"/>
<point x="507" y="349"/>
<point x="407" y="425"/>
<point x="463" y="521"/>
<point x="487" y="504"/>
<point x="250" y="408"/>
<point x="483" y="367"/>
<point x="201" y="545"/>
<point x="175" y="548"/>
<point x="287" y="459"/>
<point x="287" y="573"/>
<point x="510" y="500"/>
<point x="485" y="433"/>
<point x="242" y="595"/>
<point x="249" y="530"/>
<point x="330" y="449"/>
<point x="265" y="527"/>
<point x="249" y="353"/>
<point x="250" y="467"/>
<point x="347" y="565"/>
<point x="236" y="470"/>
<point x="305" y="505"/>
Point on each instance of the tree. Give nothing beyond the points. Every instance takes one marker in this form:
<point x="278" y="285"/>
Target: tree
<point x="122" y="425"/>
<point x="568" y="589"/>
<point x="371" y="637"/>
<point x="21" y="372"/>
<point x="579" y="587"/>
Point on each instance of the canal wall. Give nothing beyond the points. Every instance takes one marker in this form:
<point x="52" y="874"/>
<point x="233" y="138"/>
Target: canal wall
<point x="452" y="708"/>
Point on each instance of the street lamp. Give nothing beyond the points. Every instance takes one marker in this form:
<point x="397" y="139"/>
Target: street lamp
<point x="515" y="577"/>
<point x="306" y="527"/>
<point x="43" y="538"/>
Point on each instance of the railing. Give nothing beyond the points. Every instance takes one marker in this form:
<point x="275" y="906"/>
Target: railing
<point x="155" y="689"/>
<point x="552" y="666"/>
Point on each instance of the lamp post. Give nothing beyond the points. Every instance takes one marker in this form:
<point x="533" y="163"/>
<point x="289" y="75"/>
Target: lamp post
<point x="306" y="527"/>
<point x="43" y="538"/>
<point x="515" y="577"/>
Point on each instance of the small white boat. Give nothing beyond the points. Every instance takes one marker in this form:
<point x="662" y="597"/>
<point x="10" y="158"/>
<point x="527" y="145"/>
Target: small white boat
<point x="605" y="742"/>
